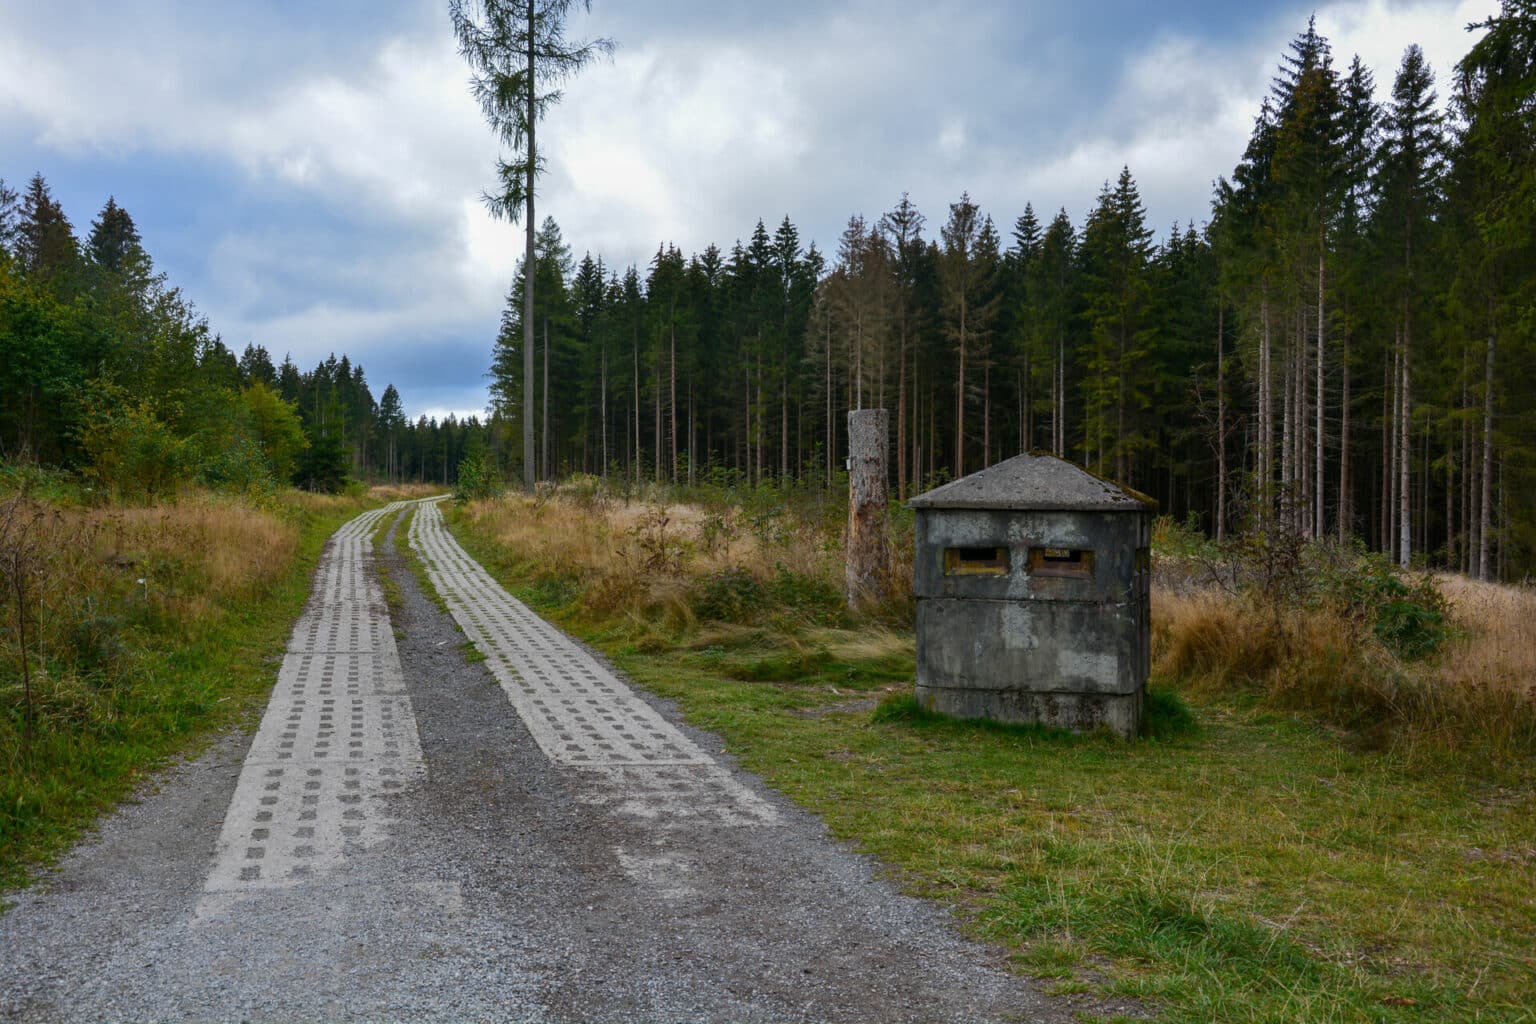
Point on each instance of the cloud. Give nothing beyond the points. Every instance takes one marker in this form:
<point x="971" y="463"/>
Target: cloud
<point x="322" y="171"/>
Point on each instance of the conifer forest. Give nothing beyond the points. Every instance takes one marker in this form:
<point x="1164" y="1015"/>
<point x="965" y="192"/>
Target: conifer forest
<point x="1346" y="338"/>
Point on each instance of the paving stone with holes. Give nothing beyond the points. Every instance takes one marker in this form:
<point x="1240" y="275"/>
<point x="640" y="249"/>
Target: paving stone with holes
<point x="579" y="713"/>
<point x="338" y="739"/>
<point x="414" y="836"/>
<point x="629" y="758"/>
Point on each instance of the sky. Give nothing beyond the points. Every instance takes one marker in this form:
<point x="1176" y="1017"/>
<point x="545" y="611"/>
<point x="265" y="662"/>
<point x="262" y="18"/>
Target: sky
<point x="310" y="174"/>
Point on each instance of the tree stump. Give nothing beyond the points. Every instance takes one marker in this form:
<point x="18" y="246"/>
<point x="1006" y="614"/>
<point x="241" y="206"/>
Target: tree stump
<point x="868" y="494"/>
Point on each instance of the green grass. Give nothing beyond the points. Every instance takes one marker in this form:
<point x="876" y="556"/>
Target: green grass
<point x="181" y="686"/>
<point x="1234" y="864"/>
<point x="417" y="567"/>
<point x="472" y="654"/>
<point x="392" y="596"/>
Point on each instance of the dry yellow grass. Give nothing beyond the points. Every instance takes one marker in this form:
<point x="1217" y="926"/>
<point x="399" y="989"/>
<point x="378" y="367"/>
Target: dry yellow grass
<point x="1495" y="646"/>
<point x="183" y="561"/>
<point x="641" y="556"/>
<point x="1479" y="689"/>
<point x="221" y="547"/>
<point x="142" y="628"/>
<point x="405" y="492"/>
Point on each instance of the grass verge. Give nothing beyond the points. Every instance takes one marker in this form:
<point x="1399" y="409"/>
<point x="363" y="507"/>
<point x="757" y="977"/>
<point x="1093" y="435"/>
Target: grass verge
<point x="154" y="629"/>
<point x="1241" y="863"/>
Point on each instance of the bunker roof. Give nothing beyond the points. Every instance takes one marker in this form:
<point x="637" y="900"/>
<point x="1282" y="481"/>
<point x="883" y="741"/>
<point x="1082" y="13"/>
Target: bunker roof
<point x="1038" y="482"/>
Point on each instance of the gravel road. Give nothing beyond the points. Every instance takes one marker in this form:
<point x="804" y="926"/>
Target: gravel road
<point x="412" y="835"/>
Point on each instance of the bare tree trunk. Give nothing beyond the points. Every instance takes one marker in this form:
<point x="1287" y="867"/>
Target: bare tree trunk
<point x="544" y="430"/>
<point x="1288" y="424"/>
<point x="672" y="330"/>
<point x="960" y="400"/>
<point x="528" y="265"/>
<point x="901" y="413"/>
<point x="1450" y="506"/>
<point x="933" y="430"/>
<point x="1389" y="543"/>
<point x="1055" y="401"/>
<point x="1060" y="410"/>
<point x="1485" y="514"/>
<point x="1026" y="424"/>
<point x="1405" y="514"/>
<point x="1345" y="511"/>
<point x="1122" y="468"/>
<point x="1221" y="424"/>
<point x="784" y="424"/>
<point x="762" y="409"/>
<point x="986" y="412"/>
<point x="1266" y="407"/>
<point x="1318" y="469"/>
<point x="1501" y="570"/>
<point x="830" y="445"/>
<point x="1422" y="524"/>
<point x="868" y="497"/>
<point x="639" y="458"/>
<point x="603" y="410"/>
<point x="1389" y="450"/>
<point x="656" y="383"/>
<point x="1464" y="521"/>
<point x="916" y="478"/>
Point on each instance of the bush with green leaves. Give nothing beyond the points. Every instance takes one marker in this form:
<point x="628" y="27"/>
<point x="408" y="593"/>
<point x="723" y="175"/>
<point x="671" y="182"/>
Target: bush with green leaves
<point x="131" y="450"/>
<point x="1405" y="611"/>
<point x="731" y="594"/>
<point x="478" y="479"/>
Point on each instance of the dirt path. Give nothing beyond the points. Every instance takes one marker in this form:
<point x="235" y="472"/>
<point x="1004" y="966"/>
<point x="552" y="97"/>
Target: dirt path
<point x="414" y="836"/>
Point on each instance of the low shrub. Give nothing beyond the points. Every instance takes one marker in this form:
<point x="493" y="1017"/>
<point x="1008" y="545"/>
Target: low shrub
<point x="731" y="594"/>
<point x="1405" y="611"/>
<point x="478" y="479"/>
<point x="801" y="595"/>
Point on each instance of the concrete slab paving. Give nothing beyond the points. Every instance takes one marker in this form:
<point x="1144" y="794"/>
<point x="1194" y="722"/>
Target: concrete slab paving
<point x="452" y="841"/>
<point x="629" y="758"/>
<point x="338" y="739"/>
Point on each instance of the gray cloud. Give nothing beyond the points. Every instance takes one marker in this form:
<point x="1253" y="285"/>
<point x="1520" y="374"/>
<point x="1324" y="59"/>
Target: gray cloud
<point x="353" y="118"/>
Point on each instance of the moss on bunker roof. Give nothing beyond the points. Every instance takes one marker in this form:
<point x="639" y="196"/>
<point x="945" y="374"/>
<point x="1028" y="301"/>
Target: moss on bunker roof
<point x="1035" y="481"/>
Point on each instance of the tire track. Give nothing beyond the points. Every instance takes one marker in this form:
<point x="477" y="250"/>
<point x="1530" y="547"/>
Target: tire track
<point x="629" y="758"/>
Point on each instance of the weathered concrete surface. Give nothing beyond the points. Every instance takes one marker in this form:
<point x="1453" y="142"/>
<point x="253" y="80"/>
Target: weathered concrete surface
<point x="581" y="715"/>
<point x="337" y="743"/>
<point x="868" y="496"/>
<point x="1056" y="630"/>
<point x="503" y="884"/>
<point x="1034" y="481"/>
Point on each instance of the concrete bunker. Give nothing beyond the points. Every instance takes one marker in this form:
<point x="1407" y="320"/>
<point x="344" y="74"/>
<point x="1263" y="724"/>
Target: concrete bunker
<point x="1033" y="586"/>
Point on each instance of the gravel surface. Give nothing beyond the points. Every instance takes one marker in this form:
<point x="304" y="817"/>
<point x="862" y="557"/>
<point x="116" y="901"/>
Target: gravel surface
<point x="497" y="885"/>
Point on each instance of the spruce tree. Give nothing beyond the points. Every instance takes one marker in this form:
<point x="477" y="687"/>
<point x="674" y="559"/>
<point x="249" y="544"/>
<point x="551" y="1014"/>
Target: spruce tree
<point x="391" y="423"/>
<point x="256" y="366"/>
<point x="1025" y="332"/>
<point x="1408" y="182"/>
<point x="1117" y="292"/>
<point x="1056" y="286"/>
<point x="1359" y="121"/>
<point x="10" y="219"/>
<point x="114" y="243"/>
<point x="1494" y="198"/>
<point x="519" y="55"/>
<point x="903" y="226"/>
<point x="45" y="240"/>
<point x="963" y="295"/>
